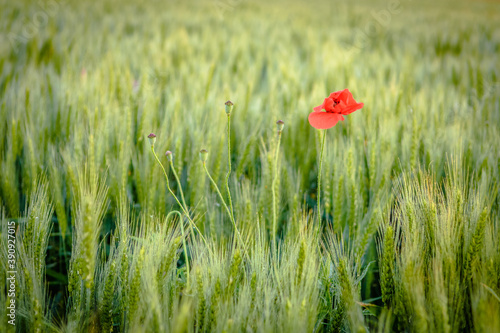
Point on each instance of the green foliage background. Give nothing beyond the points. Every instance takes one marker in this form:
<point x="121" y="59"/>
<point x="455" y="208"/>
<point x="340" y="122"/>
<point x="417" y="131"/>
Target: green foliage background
<point x="410" y="236"/>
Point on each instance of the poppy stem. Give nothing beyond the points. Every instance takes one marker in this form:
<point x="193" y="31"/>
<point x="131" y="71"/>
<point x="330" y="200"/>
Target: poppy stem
<point x="225" y="206"/>
<point x="180" y="189"/>
<point x="319" y="179"/>
<point x="183" y="241"/>
<point x="275" y="176"/>
<point x="179" y="184"/>
<point x="193" y="225"/>
<point x="229" y="163"/>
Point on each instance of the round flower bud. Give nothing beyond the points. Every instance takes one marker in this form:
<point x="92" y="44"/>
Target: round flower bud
<point x="229" y="107"/>
<point x="152" y="139"/>
<point x="170" y="155"/>
<point x="280" y="124"/>
<point x="203" y="155"/>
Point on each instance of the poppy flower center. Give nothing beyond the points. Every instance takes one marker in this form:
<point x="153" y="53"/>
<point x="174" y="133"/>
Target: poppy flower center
<point x="335" y="103"/>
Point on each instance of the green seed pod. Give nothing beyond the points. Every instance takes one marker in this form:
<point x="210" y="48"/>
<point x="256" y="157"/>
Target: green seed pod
<point x="170" y="155"/>
<point x="152" y="139"/>
<point x="229" y="107"/>
<point x="203" y="155"/>
<point x="280" y="124"/>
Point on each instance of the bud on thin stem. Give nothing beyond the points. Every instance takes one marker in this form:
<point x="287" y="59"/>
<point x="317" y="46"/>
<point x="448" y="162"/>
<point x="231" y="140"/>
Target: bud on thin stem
<point x="170" y="155"/>
<point x="203" y="155"/>
<point x="152" y="139"/>
<point x="229" y="107"/>
<point x="280" y="124"/>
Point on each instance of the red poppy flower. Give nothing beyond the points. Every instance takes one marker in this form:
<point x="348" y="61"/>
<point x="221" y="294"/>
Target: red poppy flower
<point x="337" y="105"/>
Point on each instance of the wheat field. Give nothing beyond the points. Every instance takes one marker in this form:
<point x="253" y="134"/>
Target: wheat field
<point x="102" y="231"/>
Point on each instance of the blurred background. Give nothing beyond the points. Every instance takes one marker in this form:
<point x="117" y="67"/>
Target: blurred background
<point x="82" y="84"/>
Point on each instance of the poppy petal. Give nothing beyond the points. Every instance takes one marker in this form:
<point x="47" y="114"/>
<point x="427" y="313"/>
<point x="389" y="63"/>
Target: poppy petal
<point x="318" y="108"/>
<point x="324" y="120"/>
<point x="345" y="96"/>
<point x="337" y="104"/>
<point x="348" y="109"/>
<point x="328" y="104"/>
<point x="336" y="94"/>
